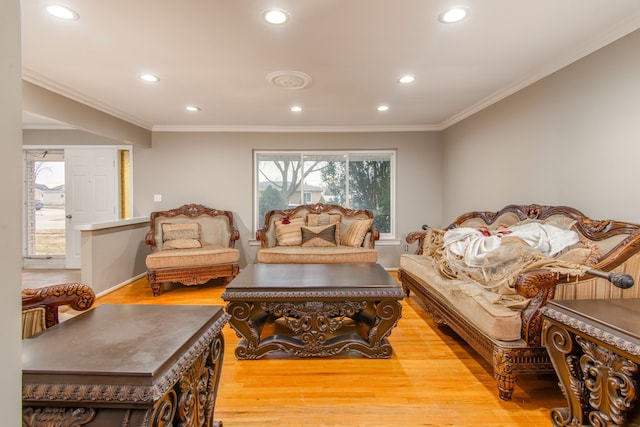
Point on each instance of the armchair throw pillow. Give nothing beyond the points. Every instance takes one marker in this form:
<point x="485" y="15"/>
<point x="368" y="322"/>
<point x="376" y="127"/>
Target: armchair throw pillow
<point x="181" y="236"/>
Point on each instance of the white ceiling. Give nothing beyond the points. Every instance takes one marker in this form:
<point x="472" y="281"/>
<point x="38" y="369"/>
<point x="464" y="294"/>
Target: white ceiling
<point x="217" y="54"/>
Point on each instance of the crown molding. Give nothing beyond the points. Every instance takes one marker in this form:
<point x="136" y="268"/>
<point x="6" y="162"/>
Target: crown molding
<point x="298" y="129"/>
<point x="42" y="81"/>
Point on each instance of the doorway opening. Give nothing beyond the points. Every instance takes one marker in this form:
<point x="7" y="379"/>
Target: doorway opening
<point x="66" y="187"/>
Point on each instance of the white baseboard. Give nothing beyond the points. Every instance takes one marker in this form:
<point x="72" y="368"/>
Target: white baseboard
<point x="118" y="286"/>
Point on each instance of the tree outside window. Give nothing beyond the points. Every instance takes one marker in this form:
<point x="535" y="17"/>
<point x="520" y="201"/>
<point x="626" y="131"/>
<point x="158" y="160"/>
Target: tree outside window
<point x="356" y="180"/>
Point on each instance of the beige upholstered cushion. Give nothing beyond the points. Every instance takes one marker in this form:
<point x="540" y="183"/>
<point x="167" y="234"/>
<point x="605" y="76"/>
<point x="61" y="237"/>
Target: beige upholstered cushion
<point x="354" y="235"/>
<point x="319" y="236"/>
<point x="475" y="304"/>
<point x="326" y="219"/>
<point x="172" y="231"/>
<point x="289" y="234"/>
<point x="207" y="255"/>
<point x="33" y="321"/>
<point x="322" y="255"/>
<point x="182" y="244"/>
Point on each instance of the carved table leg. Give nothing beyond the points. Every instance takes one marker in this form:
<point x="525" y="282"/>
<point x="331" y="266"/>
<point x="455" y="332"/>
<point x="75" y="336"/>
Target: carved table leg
<point x="242" y="322"/>
<point x="564" y="355"/>
<point x="388" y="314"/>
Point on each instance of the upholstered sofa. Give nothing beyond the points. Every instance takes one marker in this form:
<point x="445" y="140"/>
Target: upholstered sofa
<point x="488" y="274"/>
<point x="317" y="234"/>
<point x="191" y="245"/>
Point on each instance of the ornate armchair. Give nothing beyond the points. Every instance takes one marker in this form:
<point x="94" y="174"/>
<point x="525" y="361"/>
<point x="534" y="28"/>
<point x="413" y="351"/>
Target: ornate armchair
<point x="191" y="245"/>
<point x="40" y="306"/>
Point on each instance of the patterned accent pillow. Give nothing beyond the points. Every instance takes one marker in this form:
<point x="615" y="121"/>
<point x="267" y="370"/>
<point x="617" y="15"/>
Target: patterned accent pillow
<point x="354" y="236"/>
<point x="289" y="234"/>
<point x="171" y="231"/>
<point x="314" y="220"/>
<point x="319" y="236"/>
<point x="182" y="244"/>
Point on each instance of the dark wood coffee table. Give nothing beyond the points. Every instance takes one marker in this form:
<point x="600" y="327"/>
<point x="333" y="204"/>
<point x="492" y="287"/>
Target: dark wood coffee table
<point x="595" y="349"/>
<point x="313" y="309"/>
<point x="125" y="365"/>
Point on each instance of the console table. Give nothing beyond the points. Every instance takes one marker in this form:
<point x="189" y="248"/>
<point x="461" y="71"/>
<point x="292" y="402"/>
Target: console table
<point x="310" y="310"/>
<point x="594" y="346"/>
<point x="125" y="365"/>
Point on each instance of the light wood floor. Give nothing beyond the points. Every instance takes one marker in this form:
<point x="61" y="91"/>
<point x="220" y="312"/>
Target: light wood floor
<point x="432" y="379"/>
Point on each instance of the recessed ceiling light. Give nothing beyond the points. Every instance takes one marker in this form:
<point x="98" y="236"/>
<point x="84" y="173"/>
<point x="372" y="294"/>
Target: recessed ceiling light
<point x="296" y="108"/>
<point x="149" y="78"/>
<point x="276" y="16"/>
<point x="383" y="108"/>
<point x="452" y="15"/>
<point x="63" y="12"/>
<point x="406" y="79"/>
<point x="192" y="108"/>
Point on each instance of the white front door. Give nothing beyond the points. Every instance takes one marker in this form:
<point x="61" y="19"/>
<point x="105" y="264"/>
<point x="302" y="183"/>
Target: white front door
<point x="91" y="193"/>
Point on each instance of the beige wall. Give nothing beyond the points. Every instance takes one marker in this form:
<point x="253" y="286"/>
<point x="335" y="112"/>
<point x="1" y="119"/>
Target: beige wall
<point x="43" y="102"/>
<point x="573" y="139"/>
<point x="216" y="169"/>
<point x="64" y="137"/>
<point x="11" y="213"/>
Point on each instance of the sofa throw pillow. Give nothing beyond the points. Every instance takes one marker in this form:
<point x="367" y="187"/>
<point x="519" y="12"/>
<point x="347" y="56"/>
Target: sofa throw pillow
<point x="182" y="244"/>
<point x="289" y="234"/>
<point x="315" y="220"/>
<point x="319" y="236"/>
<point x="354" y="236"/>
<point x="171" y="231"/>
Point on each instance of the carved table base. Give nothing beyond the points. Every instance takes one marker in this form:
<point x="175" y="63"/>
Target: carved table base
<point x="596" y="360"/>
<point x="315" y="328"/>
<point x="181" y="392"/>
<point x="354" y="309"/>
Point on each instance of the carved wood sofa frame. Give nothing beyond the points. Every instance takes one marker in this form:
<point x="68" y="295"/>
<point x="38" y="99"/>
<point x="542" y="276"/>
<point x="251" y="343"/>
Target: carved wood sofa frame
<point x="192" y="275"/>
<point x="528" y="355"/>
<point x="49" y="299"/>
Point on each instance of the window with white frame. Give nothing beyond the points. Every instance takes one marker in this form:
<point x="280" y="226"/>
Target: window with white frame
<point x="353" y="179"/>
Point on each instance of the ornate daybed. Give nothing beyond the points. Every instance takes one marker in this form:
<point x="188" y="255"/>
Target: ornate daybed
<point x="317" y="234"/>
<point x="191" y="245"/>
<point x="488" y="274"/>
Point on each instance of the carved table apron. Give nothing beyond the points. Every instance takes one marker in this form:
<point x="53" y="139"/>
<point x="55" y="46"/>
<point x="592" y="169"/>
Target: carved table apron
<point x="125" y="365"/>
<point x="310" y="310"/>
<point x="594" y="346"/>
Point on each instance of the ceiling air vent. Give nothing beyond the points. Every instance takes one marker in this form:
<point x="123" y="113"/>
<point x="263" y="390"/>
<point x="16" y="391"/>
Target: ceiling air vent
<point x="289" y="79"/>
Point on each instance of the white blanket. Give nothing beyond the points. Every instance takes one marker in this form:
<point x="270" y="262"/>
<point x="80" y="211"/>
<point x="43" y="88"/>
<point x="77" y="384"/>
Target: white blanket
<point x="472" y="245"/>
